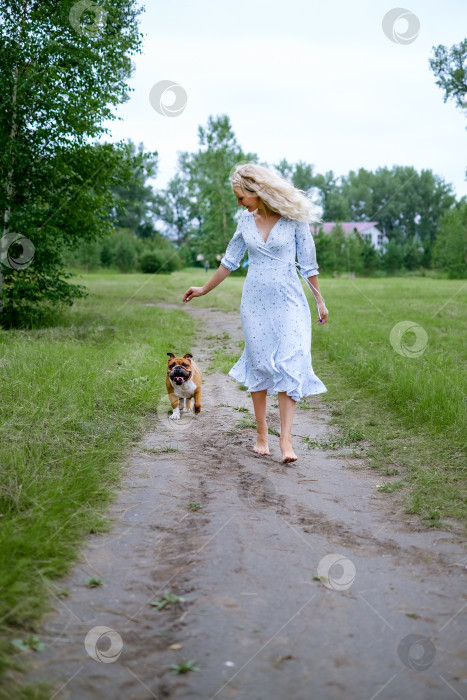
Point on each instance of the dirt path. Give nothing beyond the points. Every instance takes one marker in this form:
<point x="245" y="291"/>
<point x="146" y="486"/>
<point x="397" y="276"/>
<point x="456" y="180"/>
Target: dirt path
<point x="388" y="621"/>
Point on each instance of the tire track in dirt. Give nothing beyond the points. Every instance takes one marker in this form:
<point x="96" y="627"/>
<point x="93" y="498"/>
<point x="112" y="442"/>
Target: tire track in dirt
<point x="255" y="617"/>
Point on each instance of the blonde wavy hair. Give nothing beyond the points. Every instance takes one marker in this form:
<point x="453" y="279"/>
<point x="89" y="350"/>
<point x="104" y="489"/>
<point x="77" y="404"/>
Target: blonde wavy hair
<point x="276" y="192"/>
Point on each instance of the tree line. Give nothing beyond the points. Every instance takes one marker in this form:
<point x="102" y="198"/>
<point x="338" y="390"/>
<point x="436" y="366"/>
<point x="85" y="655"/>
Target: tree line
<point x="67" y="197"/>
<point x="195" y="215"/>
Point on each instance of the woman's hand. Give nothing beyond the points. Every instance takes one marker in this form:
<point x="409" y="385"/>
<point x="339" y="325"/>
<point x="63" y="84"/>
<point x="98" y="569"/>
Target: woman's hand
<point x="324" y="313"/>
<point x="193" y="292"/>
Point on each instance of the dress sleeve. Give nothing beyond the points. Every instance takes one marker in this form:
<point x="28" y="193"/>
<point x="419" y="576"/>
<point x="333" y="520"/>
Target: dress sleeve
<point x="306" y="251"/>
<point x="235" y="250"/>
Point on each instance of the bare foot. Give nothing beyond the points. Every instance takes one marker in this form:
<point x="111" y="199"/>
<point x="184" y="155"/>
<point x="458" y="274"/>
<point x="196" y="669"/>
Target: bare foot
<point x="288" y="454"/>
<point x="262" y="447"/>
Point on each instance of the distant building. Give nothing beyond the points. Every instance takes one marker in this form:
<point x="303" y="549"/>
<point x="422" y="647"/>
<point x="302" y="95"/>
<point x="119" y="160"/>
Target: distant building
<point x="365" y="229"/>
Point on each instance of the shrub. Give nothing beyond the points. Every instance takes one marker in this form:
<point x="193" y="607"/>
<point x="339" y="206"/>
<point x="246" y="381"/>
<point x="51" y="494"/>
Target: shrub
<point x="124" y="252"/>
<point x="161" y="261"/>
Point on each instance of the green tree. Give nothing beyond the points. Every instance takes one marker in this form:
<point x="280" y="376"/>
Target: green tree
<point x="450" y="249"/>
<point x="450" y="69"/>
<point x="202" y="189"/>
<point x="60" y="79"/>
<point x="354" y="253"/>
<point x="393" y="256"/>
<point x="371" y="260"/>
<point x="323" y="189"/>
<point x="403" y="201"/>
<point x="413" y="253"/>
<point x="136" y="198"/>
<point x="331" y="251"/>
<point x="178" y="210"/>
<point x="325" y="252"/>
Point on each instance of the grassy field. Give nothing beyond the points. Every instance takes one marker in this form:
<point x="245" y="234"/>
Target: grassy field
<point x="75" y="396"/>
<point x="78" y="394"/>
<point x="410" y="404"/>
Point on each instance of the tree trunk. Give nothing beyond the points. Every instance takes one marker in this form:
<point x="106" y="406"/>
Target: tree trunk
<point x="13" y="132"/>
<point x="9" y="178"/>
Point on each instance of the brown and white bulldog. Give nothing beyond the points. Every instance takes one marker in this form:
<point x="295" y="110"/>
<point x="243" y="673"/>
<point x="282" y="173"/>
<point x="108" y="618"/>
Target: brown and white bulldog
<point x="183" y="381"/>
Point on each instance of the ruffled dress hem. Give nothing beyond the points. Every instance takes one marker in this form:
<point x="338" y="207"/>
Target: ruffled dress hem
<point x="281" y="382"/>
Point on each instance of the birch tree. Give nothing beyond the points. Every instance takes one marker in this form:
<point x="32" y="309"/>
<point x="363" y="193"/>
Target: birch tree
<point x="64" y="67"/>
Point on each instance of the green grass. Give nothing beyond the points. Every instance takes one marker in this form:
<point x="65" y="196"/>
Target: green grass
<point x="167" y="600"/>
<point x="166" y="288"/>
<point x="77" y="395"/>
<point x="411" y="409"/>
<point x="184" y="667"/>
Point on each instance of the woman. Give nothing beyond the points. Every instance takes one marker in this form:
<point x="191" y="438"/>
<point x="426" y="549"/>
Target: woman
<point x="274" y="310"/>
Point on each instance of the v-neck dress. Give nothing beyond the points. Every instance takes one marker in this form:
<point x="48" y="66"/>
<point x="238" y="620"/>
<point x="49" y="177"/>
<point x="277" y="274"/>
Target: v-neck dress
<point x="274" y="310"/>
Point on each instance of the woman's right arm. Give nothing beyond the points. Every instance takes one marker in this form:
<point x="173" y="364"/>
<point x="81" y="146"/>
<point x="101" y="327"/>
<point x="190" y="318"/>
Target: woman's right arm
<point x="219" y="276"/>
<point x="230" y="262"/>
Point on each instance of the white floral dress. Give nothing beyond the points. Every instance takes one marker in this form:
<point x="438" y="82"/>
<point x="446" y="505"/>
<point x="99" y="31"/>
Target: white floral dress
<point x="274" y="310"/>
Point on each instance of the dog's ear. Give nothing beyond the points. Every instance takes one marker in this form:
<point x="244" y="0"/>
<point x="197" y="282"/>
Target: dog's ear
<point x="170" y="354"/>
<point x="188" y="356"/>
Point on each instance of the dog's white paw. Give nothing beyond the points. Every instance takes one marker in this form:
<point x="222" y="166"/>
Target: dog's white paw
<point x="175" y="415"/>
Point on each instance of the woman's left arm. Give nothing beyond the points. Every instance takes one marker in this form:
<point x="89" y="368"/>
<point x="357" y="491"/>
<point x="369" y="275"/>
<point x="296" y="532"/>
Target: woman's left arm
<point x="306" y="256"/>
<point x="313" y="280"/>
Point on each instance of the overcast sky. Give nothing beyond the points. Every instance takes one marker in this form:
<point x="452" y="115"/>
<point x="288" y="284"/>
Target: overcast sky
<point x="317" y="81"/>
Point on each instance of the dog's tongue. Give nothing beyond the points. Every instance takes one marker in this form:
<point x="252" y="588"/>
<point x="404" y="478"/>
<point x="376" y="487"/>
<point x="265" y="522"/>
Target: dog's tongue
<point x="178" y="380"/>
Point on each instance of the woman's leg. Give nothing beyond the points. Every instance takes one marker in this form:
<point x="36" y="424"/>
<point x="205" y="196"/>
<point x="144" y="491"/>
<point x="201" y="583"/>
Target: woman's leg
<point x="287" y="410"/>
<point x="259" y="403"/>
